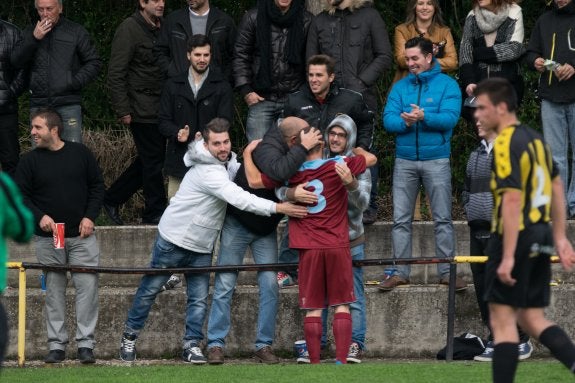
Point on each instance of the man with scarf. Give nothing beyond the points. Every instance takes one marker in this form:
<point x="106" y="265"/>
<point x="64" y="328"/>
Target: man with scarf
<point x="269" y="59"/>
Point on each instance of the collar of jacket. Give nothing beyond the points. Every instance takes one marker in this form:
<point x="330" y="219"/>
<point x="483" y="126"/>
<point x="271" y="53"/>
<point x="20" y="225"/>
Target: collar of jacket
<point x="569" y="9"/>
<point x="425" y="76"/>
<point x="354" y="4"/>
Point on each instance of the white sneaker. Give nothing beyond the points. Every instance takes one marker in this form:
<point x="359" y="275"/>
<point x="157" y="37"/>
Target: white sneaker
<point x="487" y="355"/>
<point x="525" y="350"/>
<point x="284" y="280"/>
<point x="354" y="353"/>
<point x="194" y="355"/>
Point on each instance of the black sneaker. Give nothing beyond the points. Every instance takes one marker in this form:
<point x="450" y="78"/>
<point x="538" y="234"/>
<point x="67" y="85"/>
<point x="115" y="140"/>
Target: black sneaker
<point x="86" y="355"/>
<point x="194" y="355"/>
<point x="128" y="347"/>
<point x="55" y="356"/>
<point x="369" y="216"/>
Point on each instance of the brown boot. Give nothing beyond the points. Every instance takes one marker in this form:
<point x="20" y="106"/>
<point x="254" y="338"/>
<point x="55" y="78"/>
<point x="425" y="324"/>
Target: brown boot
<point x="266" y="355"/>
<point x="460" y="284"/>
<point x="215" y="355"/>
<point x="392" y="282"/>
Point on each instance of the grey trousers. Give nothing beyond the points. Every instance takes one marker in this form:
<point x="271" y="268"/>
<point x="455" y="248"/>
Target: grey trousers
<point x="77" y="252"/>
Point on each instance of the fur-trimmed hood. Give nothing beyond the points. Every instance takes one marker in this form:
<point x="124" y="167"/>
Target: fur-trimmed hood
<point x="354" y="4"/>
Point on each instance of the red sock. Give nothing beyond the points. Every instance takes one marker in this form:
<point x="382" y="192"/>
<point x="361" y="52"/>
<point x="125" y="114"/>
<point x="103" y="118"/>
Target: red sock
<point x="342" y="335"/>
<point x="312" y="331"/>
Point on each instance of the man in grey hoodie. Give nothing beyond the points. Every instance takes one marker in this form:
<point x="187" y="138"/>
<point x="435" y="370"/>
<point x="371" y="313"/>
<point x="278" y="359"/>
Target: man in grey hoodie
<point x="340" y="136"/>
<point x="188" y="230"/>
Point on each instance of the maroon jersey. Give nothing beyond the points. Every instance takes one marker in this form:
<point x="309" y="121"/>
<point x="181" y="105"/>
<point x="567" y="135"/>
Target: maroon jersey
<point x="326" y="224"/>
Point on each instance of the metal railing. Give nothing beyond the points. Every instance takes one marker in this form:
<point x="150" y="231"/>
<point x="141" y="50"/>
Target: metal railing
<point x="23" y="266"/>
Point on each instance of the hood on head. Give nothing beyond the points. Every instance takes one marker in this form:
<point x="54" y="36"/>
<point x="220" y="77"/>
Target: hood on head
<point x="346" y="123"/>
<point x="354" y="4"/>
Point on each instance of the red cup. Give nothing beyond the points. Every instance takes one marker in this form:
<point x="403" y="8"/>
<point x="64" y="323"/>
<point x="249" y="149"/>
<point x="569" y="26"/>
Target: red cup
<point x="59" y="236"/>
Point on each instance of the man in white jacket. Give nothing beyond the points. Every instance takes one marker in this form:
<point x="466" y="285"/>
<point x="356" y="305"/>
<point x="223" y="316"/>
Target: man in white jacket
<point x="188" y="230"/>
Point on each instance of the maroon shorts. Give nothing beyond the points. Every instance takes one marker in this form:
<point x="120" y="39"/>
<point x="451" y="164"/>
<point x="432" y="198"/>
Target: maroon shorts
<point x="325" y="278"/>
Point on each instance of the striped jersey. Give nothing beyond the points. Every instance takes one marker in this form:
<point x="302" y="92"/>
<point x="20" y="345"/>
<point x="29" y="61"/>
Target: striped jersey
<point x="522" y="161"/>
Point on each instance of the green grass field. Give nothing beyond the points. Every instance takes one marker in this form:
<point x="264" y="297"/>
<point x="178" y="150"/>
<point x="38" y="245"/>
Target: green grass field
<point x="370" y="371"/>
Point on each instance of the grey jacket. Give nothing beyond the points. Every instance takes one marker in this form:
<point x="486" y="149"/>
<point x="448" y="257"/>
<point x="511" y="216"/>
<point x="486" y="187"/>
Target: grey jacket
<point x="356" y="37"/>
<point x="358" y="199"/>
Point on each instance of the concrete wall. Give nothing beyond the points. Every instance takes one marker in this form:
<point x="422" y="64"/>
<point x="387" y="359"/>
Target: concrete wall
<point x="407" y="322"/>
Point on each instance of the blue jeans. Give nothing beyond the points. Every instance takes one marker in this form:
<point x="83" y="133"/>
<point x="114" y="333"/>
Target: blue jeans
<point x="235" y="239"/>
<point x="435" y="175"/>
<point x="357" y="308"/>
<point x="166" y="255"/>
<point x="559" y="131"/>
<point x="72" y="120"/>
<point x="261" y="117"/>
<point x="287" y="255"/>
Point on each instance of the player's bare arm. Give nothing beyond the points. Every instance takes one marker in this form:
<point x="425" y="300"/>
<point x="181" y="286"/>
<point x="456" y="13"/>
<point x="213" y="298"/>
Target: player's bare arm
<point x="253" y="174"/>
<point x="370" y="159"/>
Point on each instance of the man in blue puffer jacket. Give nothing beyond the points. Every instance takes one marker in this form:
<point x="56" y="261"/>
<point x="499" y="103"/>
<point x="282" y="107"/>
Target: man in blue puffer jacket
<point x="422" y="109"/>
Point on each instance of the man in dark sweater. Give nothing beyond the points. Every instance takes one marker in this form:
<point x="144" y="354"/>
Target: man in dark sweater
<point x="62" y="183"/>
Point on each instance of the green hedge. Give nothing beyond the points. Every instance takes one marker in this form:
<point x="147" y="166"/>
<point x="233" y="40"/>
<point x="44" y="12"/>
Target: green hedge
<point x="102" y="17"/>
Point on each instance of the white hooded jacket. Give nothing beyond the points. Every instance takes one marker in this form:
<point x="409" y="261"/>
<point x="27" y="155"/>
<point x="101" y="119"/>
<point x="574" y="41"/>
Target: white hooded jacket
<point x="196" y="213"/>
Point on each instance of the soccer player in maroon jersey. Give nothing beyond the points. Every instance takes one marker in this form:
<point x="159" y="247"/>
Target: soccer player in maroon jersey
<point x="325" y="267"/>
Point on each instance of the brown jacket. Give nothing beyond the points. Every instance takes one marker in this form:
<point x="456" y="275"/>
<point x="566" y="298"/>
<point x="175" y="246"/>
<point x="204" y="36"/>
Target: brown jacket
<point x="404" y="32"/>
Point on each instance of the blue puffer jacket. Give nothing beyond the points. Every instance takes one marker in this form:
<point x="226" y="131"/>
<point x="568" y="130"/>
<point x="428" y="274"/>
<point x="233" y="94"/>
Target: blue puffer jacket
<point x="440" y="97"/>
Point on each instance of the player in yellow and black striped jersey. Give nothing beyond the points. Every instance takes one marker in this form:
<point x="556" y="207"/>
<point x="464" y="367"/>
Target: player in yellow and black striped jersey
<point x="522" y="161"/>
<point x="528" y="193"/>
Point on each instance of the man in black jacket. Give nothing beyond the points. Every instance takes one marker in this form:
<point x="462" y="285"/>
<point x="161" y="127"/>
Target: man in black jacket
<point x="198" y="18"/>
<point x="321" y="100"/>
<point x="135" y="87"/>
<point x="11" y="86"/>
<point x="551" y="52"/>
<point x="188" y="102"/>
<point x="354" y="28"/>
<point x="62" y="60"/>
<point x="269" y="60"/>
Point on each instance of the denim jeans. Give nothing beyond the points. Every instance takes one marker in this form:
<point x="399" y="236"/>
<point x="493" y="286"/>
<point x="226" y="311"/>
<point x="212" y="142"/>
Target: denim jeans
<point x="72" y="120"/>
<point x="357" y="308"/>
<point x="166" y="255"/>
<point x="235" y="239"/>
<point x="559" y="131"/>
<point x="435" y="175"/>
<point x="261" y="117"/>
<point x="287" y="255"/>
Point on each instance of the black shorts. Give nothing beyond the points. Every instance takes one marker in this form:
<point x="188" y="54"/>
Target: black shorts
<point x="532" y="269"/>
